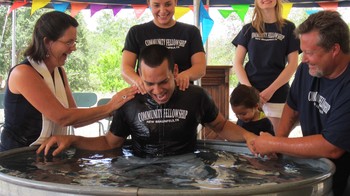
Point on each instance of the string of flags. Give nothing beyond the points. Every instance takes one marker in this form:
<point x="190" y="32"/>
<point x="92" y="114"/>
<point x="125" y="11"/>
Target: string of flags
<point x="206" y="22"/>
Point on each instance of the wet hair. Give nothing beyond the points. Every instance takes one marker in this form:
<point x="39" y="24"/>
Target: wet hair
<point x="154" y="55"/>
<point x="331" y="27"/>
<point x="244" y="95"/>
<point x="258" y="21"/>
<point x="52" y="26"/>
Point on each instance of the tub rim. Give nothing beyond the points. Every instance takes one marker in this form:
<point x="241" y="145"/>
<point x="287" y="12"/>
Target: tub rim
<point x="215" y="144"/>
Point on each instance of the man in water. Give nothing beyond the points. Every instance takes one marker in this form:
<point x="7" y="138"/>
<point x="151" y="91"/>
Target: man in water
<point x="162" y="122"/>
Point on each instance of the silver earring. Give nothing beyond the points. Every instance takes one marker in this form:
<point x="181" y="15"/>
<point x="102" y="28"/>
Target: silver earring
<point x="47" y="55"/>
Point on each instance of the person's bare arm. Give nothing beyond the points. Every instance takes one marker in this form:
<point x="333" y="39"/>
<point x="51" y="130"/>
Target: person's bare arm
<point x="107" y="142"/>
<point x="288" y="121"/>
<point x="195" y="72"/>
<point x="314" y="146"/>
<point x="128" y="71"/>
<point x="230" y="131"/>
<point x="26" y="81"/>
<point x="282" y="79"/>
<point x="238" y="66"/>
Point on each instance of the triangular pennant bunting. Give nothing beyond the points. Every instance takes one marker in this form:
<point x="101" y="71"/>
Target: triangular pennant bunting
<point x="96" y="7"/>
<point x="309" y="12"/>
<point x="16" y="5"/>
<point x="286" y="9"/>
<point x="225" y="13"/>
<point x="116" y="8"/>
<point x="37" y="4"/>
<point x="77" y="7"/>
<point x="139" y="9"/>
<point x="329" y="5"/>
<point x="241" y="10"/>
<point x="207" y="22"/>
<point x="62" y="7"/>
<point x="180" y="11"/>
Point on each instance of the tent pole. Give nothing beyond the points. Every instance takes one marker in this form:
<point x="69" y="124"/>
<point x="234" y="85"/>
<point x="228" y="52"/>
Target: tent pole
<point x="196" y="4"/>
<point x="3" y="29"/>
<point x="13" y="38"/>
<point x="196" y="13"/>
<point x="206" y="43"/>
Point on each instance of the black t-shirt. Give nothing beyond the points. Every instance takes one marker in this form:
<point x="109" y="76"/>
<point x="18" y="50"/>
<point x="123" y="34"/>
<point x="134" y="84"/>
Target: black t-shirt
<point x="323" y="105"/>
<point x="324" y="108"/>
<point x="268" y="55"/>
<point x="255" y="127"/>
<point x="167" y="129"/>
<point x="183" y="40"/>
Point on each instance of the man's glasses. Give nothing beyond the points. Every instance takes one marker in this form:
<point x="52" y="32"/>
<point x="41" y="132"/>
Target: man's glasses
<point x="69" y="44"/>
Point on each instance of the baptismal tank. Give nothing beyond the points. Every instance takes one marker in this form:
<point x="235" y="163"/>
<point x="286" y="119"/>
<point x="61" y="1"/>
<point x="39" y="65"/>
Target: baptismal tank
<point x="216" y="168"/>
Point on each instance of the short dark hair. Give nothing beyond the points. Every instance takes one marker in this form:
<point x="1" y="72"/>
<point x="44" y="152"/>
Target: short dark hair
<point x="154" y="55"/>
<point x="51" y="25"/>
<point x="331" y="27"/>
<point x="244" y="95"/>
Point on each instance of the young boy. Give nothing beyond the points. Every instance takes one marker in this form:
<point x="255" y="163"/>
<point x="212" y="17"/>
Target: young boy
<point x="245" y="104"/>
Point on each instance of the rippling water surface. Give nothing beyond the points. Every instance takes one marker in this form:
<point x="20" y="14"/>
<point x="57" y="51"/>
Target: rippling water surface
<point x="206" y="168"/>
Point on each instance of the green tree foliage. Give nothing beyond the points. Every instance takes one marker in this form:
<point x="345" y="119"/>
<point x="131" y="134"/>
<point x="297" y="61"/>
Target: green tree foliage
<point x="106" y="71"/>
<point x="76" y="66"/>
<point x="5" y="51"/>
<point x="106" y="43"/>
<point x="23" y="35"/>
